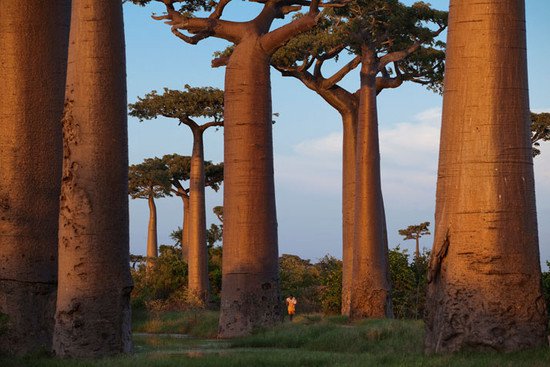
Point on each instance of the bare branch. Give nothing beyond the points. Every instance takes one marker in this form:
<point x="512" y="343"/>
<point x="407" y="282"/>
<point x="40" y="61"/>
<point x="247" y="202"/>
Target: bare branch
<point x="340" y="74"/>
<point x="220" y="61"/>
<point x="210" y="124"/>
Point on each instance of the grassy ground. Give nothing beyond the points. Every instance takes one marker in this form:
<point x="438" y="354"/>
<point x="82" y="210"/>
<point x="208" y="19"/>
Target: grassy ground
<point x="309" y="341"/>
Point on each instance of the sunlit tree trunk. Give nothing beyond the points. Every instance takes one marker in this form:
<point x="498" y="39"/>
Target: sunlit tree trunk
<point x="93" y="308"/>
<point x="152" y="237"/>
<point x="198" y="256"/>
<point x="250" y="293"/>
<point x="185" y="229"/>
<point x="348" y="204"/>
<point x="370" y="284"/>
<point x="33" y="61"/>
<point x="485" y="286"/>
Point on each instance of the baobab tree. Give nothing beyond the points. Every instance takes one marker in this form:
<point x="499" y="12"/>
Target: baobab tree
<point x="33" y="64"/>
<point x="250" y="295"/>
<point x="402" y="41"/>
<point x="185" y="107"/>
<point x="150" y="180"/>
<point x="540" y="130"/>
<point x="93" y="300"/>
<point x="179" y="168"/>
<point x="415" y="232"/>
<point x="484" y="277"/>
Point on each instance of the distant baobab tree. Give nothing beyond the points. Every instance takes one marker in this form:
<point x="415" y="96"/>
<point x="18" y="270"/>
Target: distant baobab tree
<point x="540" y="130"/>
<point x="484" y="276"/>
<point x="406" y="51"/>
<point x="150" y="180"/>
<point x="93" y="299"/>
<point x="33" y="64"/>
<point x="186" y="106"/>
<point x="415" y="232"/>
<point x="250" y="295"/>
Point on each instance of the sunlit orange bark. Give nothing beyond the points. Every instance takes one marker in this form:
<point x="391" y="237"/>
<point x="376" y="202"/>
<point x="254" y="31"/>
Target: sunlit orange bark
<point x="33" y="60"/>
<point x="93" y="308"/>
<point x="198" y="255"/>
<point x="185" y="228"/>
<point x="152" y="238"/>
<point x="250" y="293"/>
<point x="484" y="289"/>
<point x="370" y="296"/>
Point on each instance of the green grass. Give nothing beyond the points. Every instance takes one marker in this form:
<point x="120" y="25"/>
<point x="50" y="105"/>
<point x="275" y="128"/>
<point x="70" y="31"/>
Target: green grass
<point x="309" y="341"/>
<point x="196" y="323"/>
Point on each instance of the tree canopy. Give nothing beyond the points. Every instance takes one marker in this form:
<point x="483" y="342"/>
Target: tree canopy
<point x="149" y="179"/>
<point x="540" y="130"/>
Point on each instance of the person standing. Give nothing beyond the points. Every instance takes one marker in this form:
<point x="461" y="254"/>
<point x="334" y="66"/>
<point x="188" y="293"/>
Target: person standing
<point x="291" y="306"/>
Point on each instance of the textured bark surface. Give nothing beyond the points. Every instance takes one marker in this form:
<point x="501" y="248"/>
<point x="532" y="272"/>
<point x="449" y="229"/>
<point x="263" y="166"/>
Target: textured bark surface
<point x="370" y="296"/>
<point x="33" y="60"/>
<point x="250" y="293"/>
<point x="484" y="289"/>
<point x="198" y="254"/>
<point x="185" y="229"/>
<point x="152" y="237"/>
<point x="93" y="309"/>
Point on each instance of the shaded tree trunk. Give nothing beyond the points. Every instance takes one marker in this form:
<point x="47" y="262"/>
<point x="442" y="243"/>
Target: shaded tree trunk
<point x="152" y="237"/>
<point x="33" y="61"/>
<point x="93" y="308"/>
<point x="198" y="256"/>
<point x="484" y="275"/>
<point x="250" y="293"/>
<point x="370" y="285"/>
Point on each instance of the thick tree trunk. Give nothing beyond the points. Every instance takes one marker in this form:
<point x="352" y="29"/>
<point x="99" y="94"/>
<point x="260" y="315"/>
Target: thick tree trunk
<point x="185" y="229"/>
<point x="370" y="284"/>
<point x="250" y="294"/>
<point x="93" y="308"/>
<point x="33" y="61"/>
<point x="198" y="256"/>
<point x="152" y="237"/>
<point x="484" y="289"/>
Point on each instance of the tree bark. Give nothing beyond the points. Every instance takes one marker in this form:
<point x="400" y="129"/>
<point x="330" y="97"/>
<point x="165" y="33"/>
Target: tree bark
<point x="185" y="229"/>
<point x="348" y="205"/>
<point x="485" y="284"/>
<point x="33" y="61"/>
<point x="370" y="285"/>
<point x="198" y="256"/>
<point x="152" y="237"/>
<point x="93" y="308"/>
<point x="250" y="293"/>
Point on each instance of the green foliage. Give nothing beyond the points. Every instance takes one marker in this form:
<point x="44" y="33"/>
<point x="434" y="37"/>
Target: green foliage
<point x="540" y="130"/>
<point x="409" y="282"/>
<point x="179" y="169"/>
<point x="204" y="102"/>
<point x="546" y="286"/>
<point x="330" y="269"/>
<point x="148" y="179"/>
<point x="299" y="278"/>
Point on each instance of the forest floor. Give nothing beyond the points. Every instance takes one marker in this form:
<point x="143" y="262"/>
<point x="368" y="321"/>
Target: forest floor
<point x="170" y="340"/>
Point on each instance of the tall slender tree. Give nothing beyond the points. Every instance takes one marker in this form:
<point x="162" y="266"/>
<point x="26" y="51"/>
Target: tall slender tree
<point x="93" y="299"/>
<point x="33" y="62"/>
<point x="484" y="277"/>
<point x="401" y="40"/>
<point x="250" y="295"/>
<point x="185" y="106"/>
<point x="150" y="180"/>
<point x="180" y="169"/>
<point x="415" y="232"/>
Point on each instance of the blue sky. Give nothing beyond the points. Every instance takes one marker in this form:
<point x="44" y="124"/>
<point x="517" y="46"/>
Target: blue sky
<point x="307" y="138"/>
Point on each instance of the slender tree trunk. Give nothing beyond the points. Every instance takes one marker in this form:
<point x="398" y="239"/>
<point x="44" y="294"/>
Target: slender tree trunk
<point x="93" y="308"/>
<point x="371" y="287"/>
<point x="484" y="289"/>
<point x="348" y="206"/>
<point x="185" y="229"/>
<point x="152" y="237"/>
<point x="250" y="294"/>
<point x="33" y="61"/>
<point x="417" y="250"/>
<point x="198" y="256"/>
